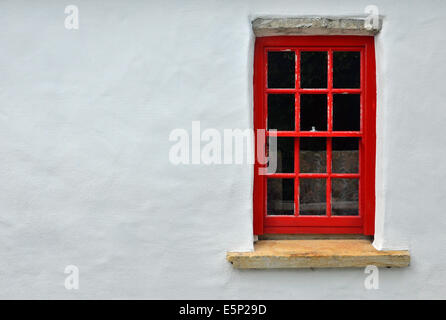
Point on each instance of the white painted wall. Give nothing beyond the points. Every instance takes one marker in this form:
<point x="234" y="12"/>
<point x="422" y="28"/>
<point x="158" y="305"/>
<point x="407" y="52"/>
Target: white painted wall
<point x="85" y="179"/>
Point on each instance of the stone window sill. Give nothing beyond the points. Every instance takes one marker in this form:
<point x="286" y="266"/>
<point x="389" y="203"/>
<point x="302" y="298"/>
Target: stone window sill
<point x="316" y="253"/>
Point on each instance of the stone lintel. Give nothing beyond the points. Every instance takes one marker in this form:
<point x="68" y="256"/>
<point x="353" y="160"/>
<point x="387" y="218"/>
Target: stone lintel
<point x="313" y="25"/>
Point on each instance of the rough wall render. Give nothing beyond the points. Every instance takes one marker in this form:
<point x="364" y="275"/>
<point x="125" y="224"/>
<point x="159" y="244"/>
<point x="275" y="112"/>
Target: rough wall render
<point x="85" y="177"/>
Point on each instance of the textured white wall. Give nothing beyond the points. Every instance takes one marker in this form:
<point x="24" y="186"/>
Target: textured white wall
<point x="85" y="179"/>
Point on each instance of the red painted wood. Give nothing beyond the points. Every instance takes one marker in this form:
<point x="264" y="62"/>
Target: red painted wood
<point x="330" y="129"/>
<point x="364" y="223"/>
<point x="369" y="139"/>
<point x="313" y="175"/>
<point x="259" y="123"/>
<point x="309" y="91"/>
<point x="296" y="141"/>
<point x="314" y="134"/>
<point x="320" y="221"/>
<point x="314" y="230"/>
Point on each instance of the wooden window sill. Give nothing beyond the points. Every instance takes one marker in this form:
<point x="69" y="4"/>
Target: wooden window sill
<point x="316" y="253"/>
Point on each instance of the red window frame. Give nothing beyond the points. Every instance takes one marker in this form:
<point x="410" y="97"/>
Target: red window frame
<point x="364" y="223"/>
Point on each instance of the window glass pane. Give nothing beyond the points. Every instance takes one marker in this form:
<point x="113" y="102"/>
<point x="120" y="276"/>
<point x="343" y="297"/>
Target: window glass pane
<point x="313" y="112"/>
<point x="284" y="155"/>
<point x="280" y="197"/>
<point x="344" y="198"/>
<point x="312" y="155"/>
<point x="313" y="69"/>
<point x="346" y="69"/>
<point x="312" y="199"/>
<point x="345" y="156"/>
<point x="281" y="67"/>
<point x="281" y="112"/>
<point x="346" y="112"/>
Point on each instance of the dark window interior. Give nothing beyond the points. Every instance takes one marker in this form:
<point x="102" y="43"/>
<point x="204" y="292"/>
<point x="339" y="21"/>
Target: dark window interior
<point x="280" y="197"/>
<point x="313" y="69"/>
<point x="281" y="67"/>
<point x="313" y="117"/>
<point x="346" y="69"/>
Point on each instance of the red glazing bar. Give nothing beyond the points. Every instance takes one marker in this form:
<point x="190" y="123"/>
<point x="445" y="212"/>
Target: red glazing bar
<point x="265" y="85"/>
<point x="289" y="91"/>
<point x="296" y="179"/>
<point x="330" y="128"/>
<point x="314" y="134"/>
<point x="330" y="88"/>
<point x="333" y="175"/>
<point x="329" y="176"/>
<point x="345" y="175"/>
<point x="313" y="91"/>
<point x="281" y="175"/>
<point x="296" y="128"/>
<point x="313" y="175"/>
<point x="353" y="91"/>
<point x="317" y="91"/>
